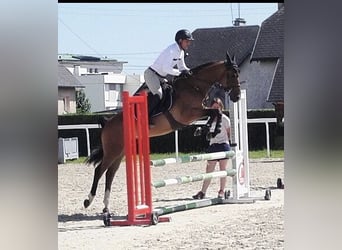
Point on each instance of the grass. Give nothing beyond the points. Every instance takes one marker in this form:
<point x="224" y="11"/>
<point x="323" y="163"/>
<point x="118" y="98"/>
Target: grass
<point x="81" y="159"/>
<point x="252" y="155"/>
<point x="263" y="154"/>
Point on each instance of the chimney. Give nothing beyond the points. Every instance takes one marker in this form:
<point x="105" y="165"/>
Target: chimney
<point x="239" y="21"/>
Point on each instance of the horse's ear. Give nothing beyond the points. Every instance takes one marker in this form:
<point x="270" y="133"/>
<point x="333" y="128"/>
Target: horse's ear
<point x="233" y="60"/>
<point x="228" y="61"/>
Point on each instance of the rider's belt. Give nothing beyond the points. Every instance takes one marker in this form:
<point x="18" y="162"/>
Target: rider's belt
<point x="156" y="72"/>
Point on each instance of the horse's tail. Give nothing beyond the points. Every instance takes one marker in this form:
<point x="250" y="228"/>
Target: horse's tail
<point x="103" y="120"/>
<point x="95" y="157"/>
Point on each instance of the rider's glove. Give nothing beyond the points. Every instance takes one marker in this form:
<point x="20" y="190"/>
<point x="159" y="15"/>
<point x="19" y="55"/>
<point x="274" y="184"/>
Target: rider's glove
<point x="185" y="73"/>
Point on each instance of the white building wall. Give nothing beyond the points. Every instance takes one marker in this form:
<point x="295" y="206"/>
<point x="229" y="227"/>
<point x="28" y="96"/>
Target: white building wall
<point x="133" y="82"/>
<point x="80" y="69"/>
<point x="104" y="91"/>
<point x="94" y="91"/>
<point x="95" y="94"/>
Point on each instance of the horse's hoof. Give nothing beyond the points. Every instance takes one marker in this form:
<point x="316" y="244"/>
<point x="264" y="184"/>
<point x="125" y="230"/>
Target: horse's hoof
<point x="280" y="183"/>
<point x="86" y="203"/>
<point x="105" y="210"/>
<point x="268" y="195"/>
<point x="106" y="219"/>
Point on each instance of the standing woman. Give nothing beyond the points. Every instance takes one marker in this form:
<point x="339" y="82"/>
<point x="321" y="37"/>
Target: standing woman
<point x="218" y="143"/>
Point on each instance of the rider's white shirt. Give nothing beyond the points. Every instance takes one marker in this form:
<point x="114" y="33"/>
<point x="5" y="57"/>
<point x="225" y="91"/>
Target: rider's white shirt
<point x="168" y="59"/>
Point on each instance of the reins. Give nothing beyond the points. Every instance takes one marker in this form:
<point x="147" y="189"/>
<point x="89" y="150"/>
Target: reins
<point x="207" y="81"/>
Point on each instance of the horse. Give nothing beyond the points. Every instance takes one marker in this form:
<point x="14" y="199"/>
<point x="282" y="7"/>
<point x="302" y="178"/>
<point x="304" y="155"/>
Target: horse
<point x="190" y="103"/>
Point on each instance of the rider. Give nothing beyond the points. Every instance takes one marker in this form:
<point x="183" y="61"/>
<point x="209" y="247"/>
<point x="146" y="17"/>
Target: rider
<point x="165" y="65"/>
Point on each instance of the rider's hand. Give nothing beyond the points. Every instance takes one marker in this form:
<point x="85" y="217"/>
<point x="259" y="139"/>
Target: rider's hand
<point x="185" y="73"/>
<point x="198" y="131"/>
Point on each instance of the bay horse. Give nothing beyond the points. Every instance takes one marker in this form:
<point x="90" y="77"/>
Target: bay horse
<point x="190" y="103"/>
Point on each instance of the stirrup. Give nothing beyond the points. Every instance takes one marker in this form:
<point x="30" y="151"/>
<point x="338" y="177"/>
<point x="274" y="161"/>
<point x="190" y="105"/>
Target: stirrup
<point x="150" y="122"/>
<point x="199" y="195"/>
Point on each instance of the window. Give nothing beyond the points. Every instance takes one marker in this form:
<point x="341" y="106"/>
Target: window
<point x="119" y="89"/>
<point x="113" y="92"/>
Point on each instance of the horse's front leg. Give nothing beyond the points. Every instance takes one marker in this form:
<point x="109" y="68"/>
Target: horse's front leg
<point x="205" y="129"/>
<point x="109" y="180"/>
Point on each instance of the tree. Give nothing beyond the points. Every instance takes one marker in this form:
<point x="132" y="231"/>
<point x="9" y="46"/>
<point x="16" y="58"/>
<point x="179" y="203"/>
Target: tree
<point x="82" y="103"/>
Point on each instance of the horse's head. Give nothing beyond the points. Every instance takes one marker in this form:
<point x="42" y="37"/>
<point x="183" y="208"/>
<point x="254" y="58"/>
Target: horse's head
<point x="231" y="83"/>
<point x="224" y="72"/>
<point x="209" y="79"/>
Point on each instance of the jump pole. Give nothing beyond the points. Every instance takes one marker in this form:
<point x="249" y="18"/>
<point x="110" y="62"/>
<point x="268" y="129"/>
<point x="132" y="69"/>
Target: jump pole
<point x="193" y="158"/>
<point x="187" y="206"/>
<point x="193" y="178"/>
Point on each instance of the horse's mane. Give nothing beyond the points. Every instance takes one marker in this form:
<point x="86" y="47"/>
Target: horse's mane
<point x="194" y="70"/>
<point x="198" y="68"/>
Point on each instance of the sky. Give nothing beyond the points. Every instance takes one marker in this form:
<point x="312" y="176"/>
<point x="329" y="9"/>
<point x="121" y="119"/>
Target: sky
<point x="137" y="32"/>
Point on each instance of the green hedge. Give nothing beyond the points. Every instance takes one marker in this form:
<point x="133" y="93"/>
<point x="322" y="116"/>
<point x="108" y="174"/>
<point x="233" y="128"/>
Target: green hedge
<point x="186" y="141"/>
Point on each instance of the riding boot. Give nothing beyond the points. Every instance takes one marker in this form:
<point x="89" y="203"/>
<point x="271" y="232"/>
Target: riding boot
<point x="153" y="101"/>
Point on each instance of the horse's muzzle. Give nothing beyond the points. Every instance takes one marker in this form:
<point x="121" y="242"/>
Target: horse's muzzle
<point x="235" y="98"/>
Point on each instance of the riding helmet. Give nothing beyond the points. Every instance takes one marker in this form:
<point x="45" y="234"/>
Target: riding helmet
<point x="183" y="34"/>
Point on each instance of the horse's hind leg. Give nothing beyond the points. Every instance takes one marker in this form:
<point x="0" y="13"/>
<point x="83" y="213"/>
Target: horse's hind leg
<point x="109" y="180"/>
<point x="99" y="170"/>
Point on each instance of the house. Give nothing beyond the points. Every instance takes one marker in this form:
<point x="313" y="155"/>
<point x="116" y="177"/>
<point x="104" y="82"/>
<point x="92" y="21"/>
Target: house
<point x="211" y="44"/>
<point x="269" y="53"/>
<point x="102" y="79"/>
<point x="259" y="55"/>
<point x="67" y="86"/>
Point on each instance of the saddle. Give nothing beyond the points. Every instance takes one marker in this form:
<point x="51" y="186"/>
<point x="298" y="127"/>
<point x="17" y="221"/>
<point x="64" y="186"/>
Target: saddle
<point x="165" y="103"/>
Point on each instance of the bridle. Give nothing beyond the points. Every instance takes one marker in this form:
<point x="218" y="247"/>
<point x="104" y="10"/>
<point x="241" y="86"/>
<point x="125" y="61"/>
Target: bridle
<point x="223" y="75"/>
<point x="216" y="80"/>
